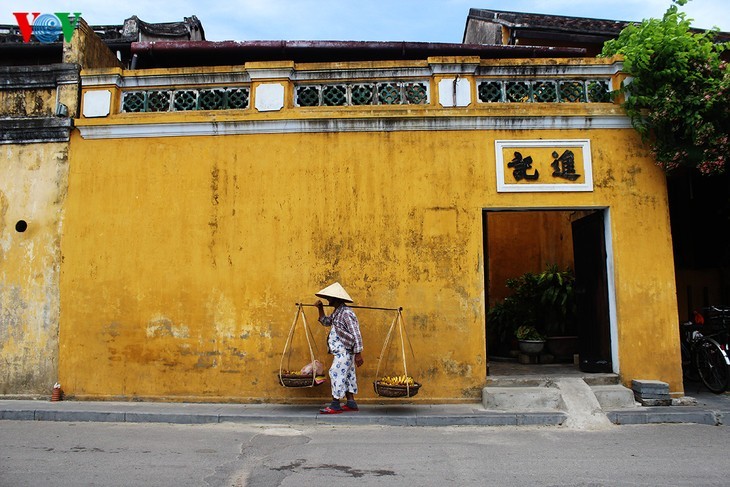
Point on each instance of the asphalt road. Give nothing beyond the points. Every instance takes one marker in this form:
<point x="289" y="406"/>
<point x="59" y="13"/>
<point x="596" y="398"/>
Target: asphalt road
<point x="129" y="454"/>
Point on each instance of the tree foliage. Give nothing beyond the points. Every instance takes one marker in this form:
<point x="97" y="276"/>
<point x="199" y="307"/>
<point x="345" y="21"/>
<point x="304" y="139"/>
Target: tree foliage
<point x="679" y="95"/>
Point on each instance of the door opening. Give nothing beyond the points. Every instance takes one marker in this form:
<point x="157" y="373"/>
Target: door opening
<point x="519" y="246"/>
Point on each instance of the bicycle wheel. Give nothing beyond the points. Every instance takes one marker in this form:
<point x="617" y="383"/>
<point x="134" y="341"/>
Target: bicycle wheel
<point x="711" y="365"/>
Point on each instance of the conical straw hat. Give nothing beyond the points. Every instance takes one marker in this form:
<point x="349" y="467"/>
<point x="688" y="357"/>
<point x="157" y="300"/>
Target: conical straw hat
<point x="334" y="291"/>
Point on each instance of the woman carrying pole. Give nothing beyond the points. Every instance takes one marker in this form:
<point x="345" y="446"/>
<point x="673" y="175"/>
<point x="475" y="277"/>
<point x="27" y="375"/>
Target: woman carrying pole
<point x="345" y="344"/>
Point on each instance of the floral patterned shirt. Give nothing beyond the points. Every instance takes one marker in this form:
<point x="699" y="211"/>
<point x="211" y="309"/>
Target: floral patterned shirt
<point x="346" y="326"/>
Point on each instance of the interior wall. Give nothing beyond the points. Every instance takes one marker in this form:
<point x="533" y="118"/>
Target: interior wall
<point x="525" y="241"/>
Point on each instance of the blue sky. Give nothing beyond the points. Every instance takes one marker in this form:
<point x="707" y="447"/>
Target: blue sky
<point x="393" y="20"/>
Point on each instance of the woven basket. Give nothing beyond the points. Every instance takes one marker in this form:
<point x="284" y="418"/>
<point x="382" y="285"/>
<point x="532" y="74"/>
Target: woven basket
<point x="296" y="380"/>
<point x="396" y="391"/>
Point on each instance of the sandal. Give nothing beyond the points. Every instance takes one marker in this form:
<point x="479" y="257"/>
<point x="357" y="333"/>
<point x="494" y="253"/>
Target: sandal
<point x="329" y="410"/>
<point x="349" y="408"/>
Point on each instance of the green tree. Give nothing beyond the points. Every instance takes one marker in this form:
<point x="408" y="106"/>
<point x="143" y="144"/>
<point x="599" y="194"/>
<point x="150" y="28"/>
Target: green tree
<point x="678" y="97"/>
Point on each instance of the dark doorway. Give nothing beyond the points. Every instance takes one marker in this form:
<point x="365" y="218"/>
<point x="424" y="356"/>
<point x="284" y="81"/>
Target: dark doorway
<point x="591" y="287"/>
<point x="519" y="241"/>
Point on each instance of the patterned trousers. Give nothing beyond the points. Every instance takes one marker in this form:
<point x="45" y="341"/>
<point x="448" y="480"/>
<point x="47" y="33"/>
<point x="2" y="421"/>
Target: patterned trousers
<point x="342" y="371"/>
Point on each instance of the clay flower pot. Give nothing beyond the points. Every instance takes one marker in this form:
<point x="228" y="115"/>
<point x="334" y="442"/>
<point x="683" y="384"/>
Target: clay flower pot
<point x="531" y="347"/>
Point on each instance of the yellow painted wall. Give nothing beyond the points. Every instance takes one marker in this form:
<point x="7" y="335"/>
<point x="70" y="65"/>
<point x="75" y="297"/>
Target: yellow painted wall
<point x="33" y="189"/>
<point x="184" y="256"/>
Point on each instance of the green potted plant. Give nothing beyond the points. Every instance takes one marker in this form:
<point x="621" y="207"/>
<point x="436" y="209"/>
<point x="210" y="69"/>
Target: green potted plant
<point x="558" y="310"/>
<point x="506" y="316"/>
<point x="531" y="341"/>
<point x="545" y="302"/>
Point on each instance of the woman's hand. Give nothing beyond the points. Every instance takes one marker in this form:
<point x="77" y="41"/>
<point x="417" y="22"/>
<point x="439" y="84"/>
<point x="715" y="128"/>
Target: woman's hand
<point x="358" y="359"/>
<point x="320" y="308"/>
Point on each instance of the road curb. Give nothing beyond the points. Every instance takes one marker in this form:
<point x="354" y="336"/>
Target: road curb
<point x="657" y="415"/>
<point x="366" y="417"/>
<point x="481" y="419"/>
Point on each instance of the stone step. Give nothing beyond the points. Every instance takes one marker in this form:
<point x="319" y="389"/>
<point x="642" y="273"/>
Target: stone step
<point x="614" y="396"/>
<point x="525" y="398"/>
<point x="602" y="379"/>
<point x="539" y="380"/>
<point x="544" y="393"/>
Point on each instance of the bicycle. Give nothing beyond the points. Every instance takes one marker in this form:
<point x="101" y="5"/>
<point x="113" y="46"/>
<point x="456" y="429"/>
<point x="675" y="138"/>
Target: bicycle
<point x="704" y="345"/>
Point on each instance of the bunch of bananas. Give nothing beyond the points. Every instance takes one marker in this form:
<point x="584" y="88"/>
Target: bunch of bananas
<point x="294" y="373"/>
<point x="398" y="380"/>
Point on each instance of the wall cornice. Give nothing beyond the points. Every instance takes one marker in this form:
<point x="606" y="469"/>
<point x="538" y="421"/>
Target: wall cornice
<point x="329" y="125"/>
<point x="35" y="77"/>
<point x="34" y="130"/>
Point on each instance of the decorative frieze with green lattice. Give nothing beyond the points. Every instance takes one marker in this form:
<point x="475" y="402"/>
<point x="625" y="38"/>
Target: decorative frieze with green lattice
<point x="544" y="91"/>
<point x="382" y="93"/>
<point x="185" y="100"/>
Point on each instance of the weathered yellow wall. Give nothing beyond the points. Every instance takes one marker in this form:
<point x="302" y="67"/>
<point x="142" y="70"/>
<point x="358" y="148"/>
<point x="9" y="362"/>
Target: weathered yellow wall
<point x="184" y="256"/>
<point x="88" y="50"/>
<point x="33" y="189"/>
<point x="33" y="185"/>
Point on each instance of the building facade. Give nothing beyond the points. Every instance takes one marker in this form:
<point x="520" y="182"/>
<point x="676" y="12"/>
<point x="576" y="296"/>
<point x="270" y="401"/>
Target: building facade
<point x="203" y="202"/>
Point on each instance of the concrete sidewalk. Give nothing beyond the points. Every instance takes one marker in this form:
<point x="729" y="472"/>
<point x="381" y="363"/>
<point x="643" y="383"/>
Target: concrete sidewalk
<point x="709" y="412"/>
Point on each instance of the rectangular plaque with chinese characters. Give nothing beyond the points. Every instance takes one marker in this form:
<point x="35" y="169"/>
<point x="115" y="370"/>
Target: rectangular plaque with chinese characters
<point x="543" y="165"/>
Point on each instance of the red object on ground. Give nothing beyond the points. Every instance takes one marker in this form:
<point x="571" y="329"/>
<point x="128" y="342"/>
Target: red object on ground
<point x="329" y="410"/>
<point x="57" y="394"/>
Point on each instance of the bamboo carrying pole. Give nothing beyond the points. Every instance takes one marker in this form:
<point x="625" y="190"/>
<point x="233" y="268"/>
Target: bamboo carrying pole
<point x="397" y="321"/>
<point x="353" y="306"/>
